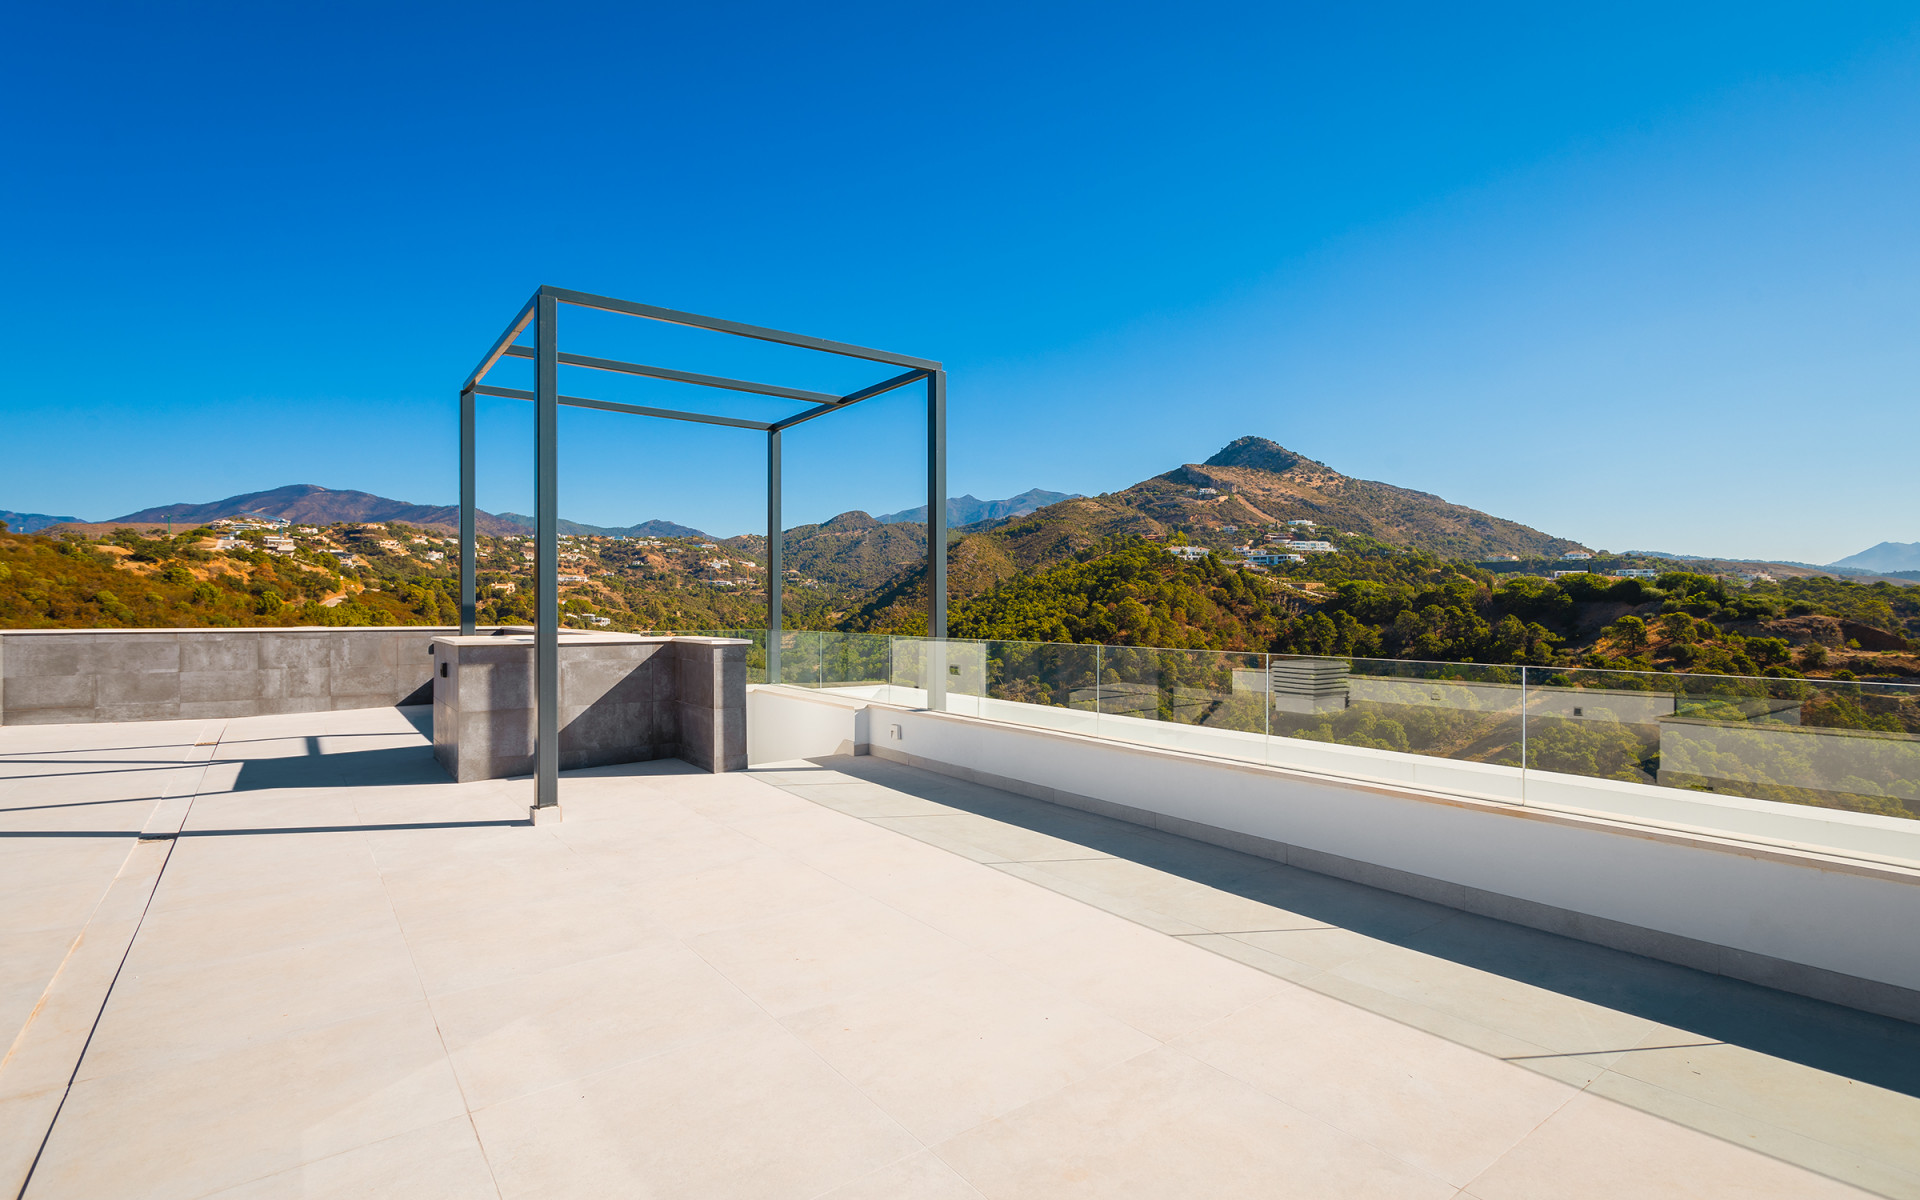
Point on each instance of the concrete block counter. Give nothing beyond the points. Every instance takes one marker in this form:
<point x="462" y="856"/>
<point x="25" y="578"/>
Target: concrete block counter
<point x="623" y="698"/>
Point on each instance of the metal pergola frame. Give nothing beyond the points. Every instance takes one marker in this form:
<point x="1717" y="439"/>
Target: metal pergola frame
<point x="542" y="312"/>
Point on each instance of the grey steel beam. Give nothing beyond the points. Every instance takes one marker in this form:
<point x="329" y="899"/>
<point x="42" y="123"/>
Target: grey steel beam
<point x="500" y="345"/>
<point x="852" y="398"/>
<point x="668" y="373"/>
<point x="776" y="536"/>
<point x="937" y="540"/>
<point x="469" y="558"/>
<point x="546" y="555"/>
<point x="641" y="410"/>
<point x="758" y="332"/>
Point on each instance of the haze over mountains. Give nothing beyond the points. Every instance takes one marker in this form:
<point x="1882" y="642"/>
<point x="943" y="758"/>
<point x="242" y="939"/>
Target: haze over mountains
<point x="971" y="510"/>
<point x="1887" y="556"/>
<point x="20" y="522"/>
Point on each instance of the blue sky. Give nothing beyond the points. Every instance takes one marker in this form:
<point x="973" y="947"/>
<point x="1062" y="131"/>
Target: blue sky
<point x="1644" y="276"/>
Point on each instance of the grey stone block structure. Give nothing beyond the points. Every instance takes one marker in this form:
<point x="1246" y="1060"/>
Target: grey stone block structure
<point x="623" y="698"/>
<point x="56" y="676"/>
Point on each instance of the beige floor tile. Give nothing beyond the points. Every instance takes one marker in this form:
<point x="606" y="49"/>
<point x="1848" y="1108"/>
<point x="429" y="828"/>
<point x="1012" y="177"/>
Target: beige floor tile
<point x="1803" y="1144"/>
<point x="820" y="836"/>
<point x="1104" y="901"/>
<point x="1574" y="1069"/>
<point x="947" y="1051"/>
<point x="979" y="905"/>
<point x="1829" y="1108"/>
<point x="986" y="839"/>
<point x="1138" y="886"/>
<point x="917" y="1177"/>
<point x="1322" y="947"/>
<point x="527" y="1033"/>
<point x="440" y="1162"/>
<point x="60" y="904"/>
<point x="452" y="890"/>
<point x="747" y="1114"/>
<point x="27" y="964"/>
<point x="1547" y="1018"/>
<point x="869" y="801"/>
<point x="825" y="955"/>
<point x="750" y="888"/>
<point x="1239" y="951"/>
<point x="46" y="862"/>
<point x="742" y="799"/>
<point x="1166" y="1126"/>
<point x="168" y="1010"/>
<point x="1159" y="985"/>
<point x="878" y="861"/>
<point x="184" y="1131"/>
<point x="117" y="816"/>
<point x="232" y="871"/>
<point x="302" y="913"/>
<point x="1446" y="1109"/>
<point x="24" y="1121"/>
<point x="1596" y="1148"/>
<point x="511" y="936"/>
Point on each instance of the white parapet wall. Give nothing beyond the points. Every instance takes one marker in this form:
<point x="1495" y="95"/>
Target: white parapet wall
<point x="1808" y="900"/>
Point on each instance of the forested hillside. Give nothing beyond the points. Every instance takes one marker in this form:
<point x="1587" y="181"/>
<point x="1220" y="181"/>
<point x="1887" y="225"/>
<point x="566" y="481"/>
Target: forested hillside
<point x="163" y="582"/>
<point x="1418" y="606"/>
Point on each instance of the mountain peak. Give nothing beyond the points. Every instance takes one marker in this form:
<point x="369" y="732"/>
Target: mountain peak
<point x="849" y="522"/>
<point x="1260" y="454"/>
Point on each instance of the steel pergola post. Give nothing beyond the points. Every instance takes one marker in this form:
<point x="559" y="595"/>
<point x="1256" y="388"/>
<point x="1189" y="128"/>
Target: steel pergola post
<point x="937" y="540"/>
<point x="546" y="553"/>
<point x="469" y="559"/>
<point x="776" y="536"/>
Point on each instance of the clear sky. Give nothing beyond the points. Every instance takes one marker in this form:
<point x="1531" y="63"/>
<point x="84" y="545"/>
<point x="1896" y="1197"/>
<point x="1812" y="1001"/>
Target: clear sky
<point x="1647" y="276"/>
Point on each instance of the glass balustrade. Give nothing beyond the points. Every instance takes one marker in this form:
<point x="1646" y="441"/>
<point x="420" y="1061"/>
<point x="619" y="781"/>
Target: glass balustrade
<point x="1572" y="737"/>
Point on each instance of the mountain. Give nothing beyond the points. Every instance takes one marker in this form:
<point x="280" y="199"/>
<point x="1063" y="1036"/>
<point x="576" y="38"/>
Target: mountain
<point x="1254" y="482"/>
<point x="1884" y="558"/>
<point x="970" y="510"/>
<point x="522" y="523"/>
<point x="1271" y="483"/>
<point x="19" y="522"/>
<point x="852" y="550"/>
<point x="309" y="504"/>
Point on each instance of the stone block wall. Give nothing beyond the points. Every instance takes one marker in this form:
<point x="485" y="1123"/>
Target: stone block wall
<point x="56" y="676"/>
<point x="623" y="698"/>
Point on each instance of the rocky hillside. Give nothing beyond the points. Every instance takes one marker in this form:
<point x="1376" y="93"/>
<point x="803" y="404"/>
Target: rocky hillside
<point x="1261" y="482"/>
<point x="1252" y="484"/>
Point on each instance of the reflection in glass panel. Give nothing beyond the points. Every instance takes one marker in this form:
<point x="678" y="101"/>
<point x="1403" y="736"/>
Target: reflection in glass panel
<point x="1829" y="743"/>
<point x="1464" y="711"/>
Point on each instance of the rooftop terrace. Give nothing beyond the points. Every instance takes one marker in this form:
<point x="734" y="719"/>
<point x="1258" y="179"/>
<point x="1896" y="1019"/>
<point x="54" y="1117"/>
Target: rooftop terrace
<point x="329" y="970"/>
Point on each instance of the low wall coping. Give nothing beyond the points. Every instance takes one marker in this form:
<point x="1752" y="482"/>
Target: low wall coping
<point x="1794" y="853"/>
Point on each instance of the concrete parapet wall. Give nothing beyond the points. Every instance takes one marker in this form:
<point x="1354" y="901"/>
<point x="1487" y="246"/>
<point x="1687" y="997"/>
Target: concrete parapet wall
<point x="62" y="676"/>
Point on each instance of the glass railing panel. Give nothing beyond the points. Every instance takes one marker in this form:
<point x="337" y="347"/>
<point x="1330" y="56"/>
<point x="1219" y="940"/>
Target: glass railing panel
<point x="1203" y="701"/>
<point x="1597" y="724"/>
<point x="1044" y="684"/>
<point x="1835" y="744"/>
<point x="1387" y="716"/>
<point x="860" y="663"/>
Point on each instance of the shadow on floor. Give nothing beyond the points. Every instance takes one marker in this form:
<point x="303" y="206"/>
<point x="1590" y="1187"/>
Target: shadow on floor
<point x="363" y="828"/>
<point x="1882" y="1051"/>
<point x="387" y="766"/>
